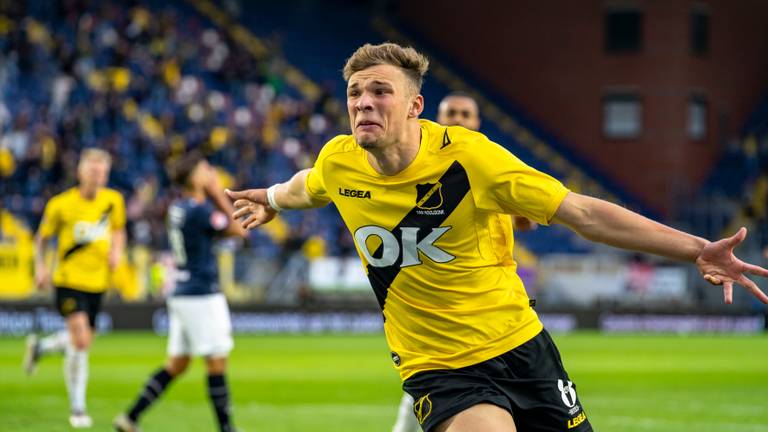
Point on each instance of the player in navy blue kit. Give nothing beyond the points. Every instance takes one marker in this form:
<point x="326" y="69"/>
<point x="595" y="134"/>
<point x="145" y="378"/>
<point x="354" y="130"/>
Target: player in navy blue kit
<point x="199" y="323"/>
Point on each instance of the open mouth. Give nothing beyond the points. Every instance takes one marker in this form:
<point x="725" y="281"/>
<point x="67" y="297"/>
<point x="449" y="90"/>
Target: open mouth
<point x="365" y="124"/>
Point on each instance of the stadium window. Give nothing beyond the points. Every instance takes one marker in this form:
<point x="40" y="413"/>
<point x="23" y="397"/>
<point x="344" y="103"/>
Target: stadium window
<point x="622" y="116"/>
<point x="699" y="31"/>
<point x="623" y="31"/>
<point x="697" y="118"/>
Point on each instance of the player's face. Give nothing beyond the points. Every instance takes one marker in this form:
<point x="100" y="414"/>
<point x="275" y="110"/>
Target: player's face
<point x="459" y="111"/>
<point x="93" y="173"/>
<point x="380" y="100"/>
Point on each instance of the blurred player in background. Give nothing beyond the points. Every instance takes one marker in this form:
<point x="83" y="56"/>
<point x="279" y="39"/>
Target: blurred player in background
<point x="460" y="109"/>
<point x="456" y="109"/>
<point x="199" y="323"/>
<point x="457" y="318"/>
<point x="89" y="224"/>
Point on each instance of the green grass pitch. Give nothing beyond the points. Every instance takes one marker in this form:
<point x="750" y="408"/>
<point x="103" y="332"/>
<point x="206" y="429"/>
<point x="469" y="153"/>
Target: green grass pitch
<point x="345" y="383"/>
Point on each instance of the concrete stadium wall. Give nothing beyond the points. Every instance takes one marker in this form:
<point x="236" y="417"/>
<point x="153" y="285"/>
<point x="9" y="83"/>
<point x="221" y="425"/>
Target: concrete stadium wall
<point x="548" y="58"/>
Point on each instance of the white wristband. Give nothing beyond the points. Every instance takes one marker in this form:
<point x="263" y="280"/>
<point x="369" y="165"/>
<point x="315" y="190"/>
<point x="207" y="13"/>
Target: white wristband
<point x="271" y="197"/>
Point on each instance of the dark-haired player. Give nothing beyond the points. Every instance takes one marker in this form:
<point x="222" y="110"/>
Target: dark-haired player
<point x="199" y="323"/>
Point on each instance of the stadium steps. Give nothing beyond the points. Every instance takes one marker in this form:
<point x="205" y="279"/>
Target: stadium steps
<point x="241" y="35"/>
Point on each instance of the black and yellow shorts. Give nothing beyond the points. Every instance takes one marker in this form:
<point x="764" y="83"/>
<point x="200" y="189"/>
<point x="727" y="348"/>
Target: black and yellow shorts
<point x="528" y="381"/>
<point x="70" y="300"/>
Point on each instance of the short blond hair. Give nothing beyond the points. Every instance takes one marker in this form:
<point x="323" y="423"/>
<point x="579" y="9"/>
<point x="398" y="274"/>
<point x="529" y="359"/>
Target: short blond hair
<point x="97" y="154"/>
<point x="412" y="62"/>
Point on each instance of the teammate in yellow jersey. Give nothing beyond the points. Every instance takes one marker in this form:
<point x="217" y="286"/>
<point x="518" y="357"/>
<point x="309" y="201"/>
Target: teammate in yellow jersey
<point x="89" y="224"/>
<point x="422" y="201"/>
<point x="456" y="109"/>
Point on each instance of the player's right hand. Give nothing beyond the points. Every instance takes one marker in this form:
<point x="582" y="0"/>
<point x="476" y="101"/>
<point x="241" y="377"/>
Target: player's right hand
<point x="252" y="206"/>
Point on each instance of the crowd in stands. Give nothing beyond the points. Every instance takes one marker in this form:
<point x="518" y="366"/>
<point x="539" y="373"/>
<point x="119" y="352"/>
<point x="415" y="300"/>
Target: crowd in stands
<point x="147" y="84"/>
<point x="736" y="193"/>
<point x="752" y="209"/>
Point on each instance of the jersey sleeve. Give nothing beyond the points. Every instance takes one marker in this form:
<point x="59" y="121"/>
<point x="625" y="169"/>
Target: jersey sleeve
<point x="117" y="216"/>
<point x="315" y="183"/>
<point x="49" y="225"/>
<point x="503" y="183"/>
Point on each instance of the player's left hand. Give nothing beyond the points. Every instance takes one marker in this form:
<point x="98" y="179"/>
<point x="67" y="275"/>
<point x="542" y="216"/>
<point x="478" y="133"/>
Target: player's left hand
<point x="719" y="266"/>
<point x="252" y="205"/>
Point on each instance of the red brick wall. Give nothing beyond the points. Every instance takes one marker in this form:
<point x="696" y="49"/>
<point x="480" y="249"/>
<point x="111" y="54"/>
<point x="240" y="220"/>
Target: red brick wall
<point x="548" y="58"/>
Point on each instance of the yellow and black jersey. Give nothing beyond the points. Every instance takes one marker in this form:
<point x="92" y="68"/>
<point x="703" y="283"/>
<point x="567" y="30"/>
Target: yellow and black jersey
<point x="15" y="257"/>
<point x="436" y="242"/>
<point x="84" y="230"/>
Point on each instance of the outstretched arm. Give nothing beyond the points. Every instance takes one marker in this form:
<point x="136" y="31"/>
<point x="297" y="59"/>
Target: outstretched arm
<point x="254" y="204"/>
<point x="607" y="223"/>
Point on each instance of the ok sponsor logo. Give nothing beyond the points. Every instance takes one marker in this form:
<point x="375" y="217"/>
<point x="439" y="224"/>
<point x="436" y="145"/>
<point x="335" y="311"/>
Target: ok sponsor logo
<point x="407" y="245"/>
<point x="87" y="232"/>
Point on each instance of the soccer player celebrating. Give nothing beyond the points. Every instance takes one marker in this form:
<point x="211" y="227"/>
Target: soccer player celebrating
<point x="469" y="348"/>
<point x="199" y="321"/>
<point x="456" y="109"/>
<point x="89" y="223"/>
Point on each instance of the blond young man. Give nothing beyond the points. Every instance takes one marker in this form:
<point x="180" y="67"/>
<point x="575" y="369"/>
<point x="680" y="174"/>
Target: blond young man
<point x="455" y="109"/>
<point x="457" y="319"/>
<point x="89" y="223"/>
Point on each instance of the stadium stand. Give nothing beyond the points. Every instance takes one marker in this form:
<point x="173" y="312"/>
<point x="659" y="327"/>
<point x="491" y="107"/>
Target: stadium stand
<point x="341" y="32"/>
<point x="736" y="192"/>
<point x="147" y="84"/>
<point x="752" y="184"/>
<point x="135" y="81"/>
<point x="150" y="81"/>
<point x="256" y="87"/>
